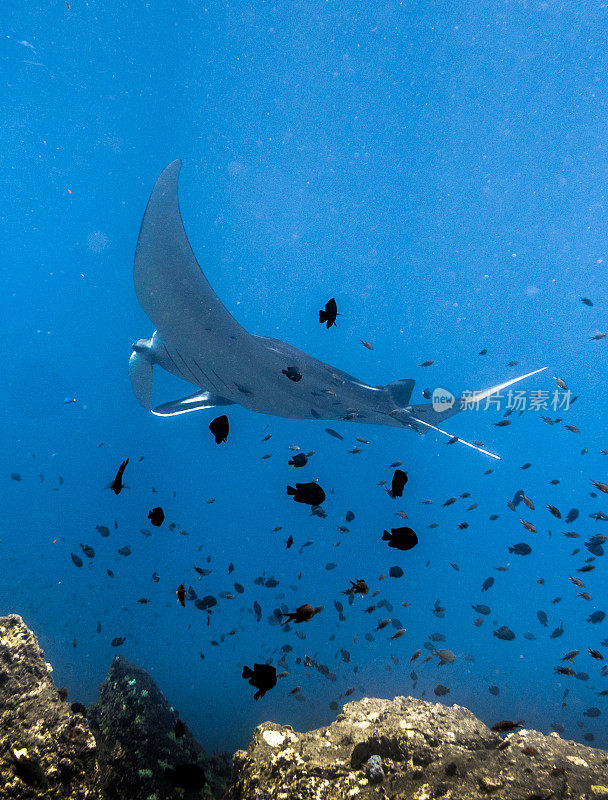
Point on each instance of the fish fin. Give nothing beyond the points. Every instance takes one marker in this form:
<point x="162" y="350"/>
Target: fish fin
<point x="401" y="391"/>
<point x="194" y="402"/>
<point x="140" y="372"/>
<point x="386" y="536"/>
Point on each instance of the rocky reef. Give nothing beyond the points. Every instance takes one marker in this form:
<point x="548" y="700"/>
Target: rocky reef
<point x="139" y="752"/>
<point x="409" y="749"/>
<point x="46" y="749"/>
<point x="127" y="749"/>
<point x="130" y="748"/>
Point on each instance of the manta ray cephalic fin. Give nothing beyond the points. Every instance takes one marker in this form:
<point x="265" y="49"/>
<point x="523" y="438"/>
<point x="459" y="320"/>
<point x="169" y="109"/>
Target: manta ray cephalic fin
<point x="140" y="372"/>
<point x="192" y="403"/>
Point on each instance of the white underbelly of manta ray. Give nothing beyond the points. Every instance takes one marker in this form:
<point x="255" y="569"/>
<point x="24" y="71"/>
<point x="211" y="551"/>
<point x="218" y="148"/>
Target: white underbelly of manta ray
<point x="197" y="340"/>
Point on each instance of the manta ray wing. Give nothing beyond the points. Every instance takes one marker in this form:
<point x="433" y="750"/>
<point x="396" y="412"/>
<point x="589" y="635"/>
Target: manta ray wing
<point x="169" y="283"/>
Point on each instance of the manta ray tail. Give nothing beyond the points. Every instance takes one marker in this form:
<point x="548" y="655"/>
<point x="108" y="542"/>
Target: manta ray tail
<point x="140" y="372"/>
<point x="429" y="417"/>
<point x="433" y="414"/>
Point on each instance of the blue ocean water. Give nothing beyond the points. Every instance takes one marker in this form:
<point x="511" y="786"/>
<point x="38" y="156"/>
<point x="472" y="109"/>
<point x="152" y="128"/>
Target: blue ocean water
<point x="440" y="171"/>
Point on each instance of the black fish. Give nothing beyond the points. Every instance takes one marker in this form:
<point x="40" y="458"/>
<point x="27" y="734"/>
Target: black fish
<point x="350" y="516"/>
<point x="88" y="550"/>
<point x="572" y="515"/>
<point x="189" y="777"/>
<point x="505" y="633"/>
<point x="293" y="373"/>
<point x="156" y="516"/>
<point x="487" y="584"/>
<point x="181" y="594"/>
<point x="310" y="493"/>
<point x="400" y="538"/>
<point x="518" y="497"/>
<point x="117" y="641"/>
<point x="262" y="676"/>
<point x="521" y="549"/>
<point x="180" y="729"/>
<point x="395" y="572"/>
<point x="333" y="433"/>
<point x="357" y="587"/>
<point x="329" y="315"/>
<point x="203" y="603"/>
<point x="506" y="725"/>
<point x="399" y="481"/>
<point x="299" y="460"/>
<point x="302" y="613"/>
<point x="76" y="559"/>
<point x="219" y="427"/>
<point x="117" y="483"/>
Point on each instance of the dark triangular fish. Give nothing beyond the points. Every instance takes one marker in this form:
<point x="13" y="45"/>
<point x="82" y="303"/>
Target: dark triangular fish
<point x="329" y="315"/>
<point x="400" y="538"/>
<point x="310" y="493"/>
<point x="220" y="427"/>
<point x="398" y="483"/>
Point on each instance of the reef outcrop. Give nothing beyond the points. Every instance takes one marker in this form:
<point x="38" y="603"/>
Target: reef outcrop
<point x="47" y="750"/>
<point x="139" y="752"/>
<point x="409" y="749"/>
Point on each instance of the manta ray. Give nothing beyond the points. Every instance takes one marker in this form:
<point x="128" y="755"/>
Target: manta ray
<point x="198" y="340"/>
